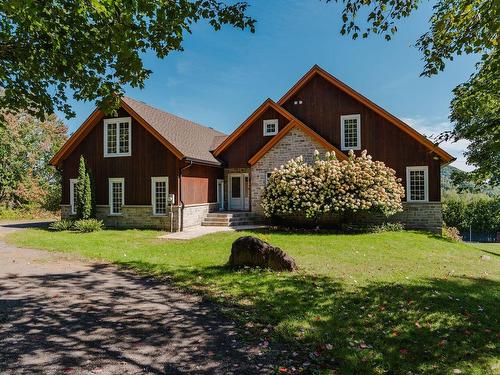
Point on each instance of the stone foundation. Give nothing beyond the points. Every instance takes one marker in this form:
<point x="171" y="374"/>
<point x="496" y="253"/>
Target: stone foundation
<point x="425" y="216"/>
<point x="142" y="216"/>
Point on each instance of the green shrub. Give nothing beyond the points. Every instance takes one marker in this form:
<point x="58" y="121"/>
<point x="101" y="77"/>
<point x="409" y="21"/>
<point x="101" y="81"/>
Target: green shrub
<point x="371" y="228"/>
<point x="52" y="200"/>
<point x="451" y="233"/>
<point x="87" y="225"/>
<point x="387" y="227"/>
<point x="330" y="186"/>
<point x="61" y="225"/>
<point x="477" y="212"/>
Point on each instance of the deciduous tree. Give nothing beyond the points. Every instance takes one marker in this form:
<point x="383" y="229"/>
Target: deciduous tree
<point x="92" y="48"/>
<point x="456" y="27"/>
<point x="26" y="146"/>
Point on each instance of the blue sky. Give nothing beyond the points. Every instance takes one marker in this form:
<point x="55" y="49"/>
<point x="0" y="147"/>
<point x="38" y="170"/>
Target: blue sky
<point x="221" y="77"/>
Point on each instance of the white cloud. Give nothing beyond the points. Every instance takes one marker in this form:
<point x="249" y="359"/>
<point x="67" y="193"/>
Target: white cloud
<point x="432" y="127"/>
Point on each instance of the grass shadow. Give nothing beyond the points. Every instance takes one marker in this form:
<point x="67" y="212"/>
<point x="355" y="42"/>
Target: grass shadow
<point x="429" y="327"/>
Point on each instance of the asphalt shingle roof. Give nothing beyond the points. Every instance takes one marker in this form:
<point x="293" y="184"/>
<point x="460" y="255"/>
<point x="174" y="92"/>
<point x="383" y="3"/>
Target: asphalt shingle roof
<point x="193" y="140"/>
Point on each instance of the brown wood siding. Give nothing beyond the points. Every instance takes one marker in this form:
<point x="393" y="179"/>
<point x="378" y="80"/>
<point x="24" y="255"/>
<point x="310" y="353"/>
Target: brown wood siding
<point x="199" y="184"/>
<point x="149" y="159"/>
<point x="321" y="108"/>
<point x="251" y="141"/>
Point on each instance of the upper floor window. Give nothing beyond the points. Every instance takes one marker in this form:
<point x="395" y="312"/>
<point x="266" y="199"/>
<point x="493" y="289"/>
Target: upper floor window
<point x="117" y="136"/>
<point x="159" y="195"/>
<point x="271" y="127"/>
<point x="417" y="185"/>
<point x="350" y="132"/>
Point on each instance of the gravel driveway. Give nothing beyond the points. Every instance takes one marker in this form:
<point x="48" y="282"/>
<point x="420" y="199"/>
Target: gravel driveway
<point x="64" y="315"/>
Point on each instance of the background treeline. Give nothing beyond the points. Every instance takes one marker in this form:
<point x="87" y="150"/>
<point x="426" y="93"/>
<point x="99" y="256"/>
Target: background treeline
<point x="28" y="184"/>
<point x="474" y="211"/>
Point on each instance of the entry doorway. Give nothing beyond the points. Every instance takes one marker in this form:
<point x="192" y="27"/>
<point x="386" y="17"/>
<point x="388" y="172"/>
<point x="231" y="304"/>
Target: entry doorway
<point x="239" y="191"/>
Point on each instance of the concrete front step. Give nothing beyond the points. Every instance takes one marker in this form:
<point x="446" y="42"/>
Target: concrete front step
<point x="231" y="214"/>
<point x="210" y="224"/>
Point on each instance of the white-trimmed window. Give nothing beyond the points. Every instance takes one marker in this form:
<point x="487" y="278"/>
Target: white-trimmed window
<point x="117" y="137"/>
<point x="417" y="184"/>
<point x="268" y="175"/>
<point x="350" y="132"/>
<point x="270" y="127"/>
<point x="72" y="194"/>
<point x="159" y="195"/>
<point x="116" y="195"/>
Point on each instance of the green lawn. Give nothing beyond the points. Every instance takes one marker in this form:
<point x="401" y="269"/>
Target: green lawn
<point x="395" y="303"/>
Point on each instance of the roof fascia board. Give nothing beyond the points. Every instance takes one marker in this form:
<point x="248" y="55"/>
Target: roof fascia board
<point x="77" y="136"/>
<point x="268" y="103"/>
<point x="367" y="102"/>
<point x="93" y="119"/>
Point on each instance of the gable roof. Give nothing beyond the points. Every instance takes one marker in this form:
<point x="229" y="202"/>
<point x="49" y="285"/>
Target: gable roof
<point x="295" y="123"/>
<point x="193" y="140"/>
<point x="184" y="138"/>
<point x="316" y="70"/>
<point x="268" y="103"/>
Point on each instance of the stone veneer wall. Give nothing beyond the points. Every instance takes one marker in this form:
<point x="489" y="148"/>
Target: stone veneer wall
<point x="292" y="145"/>
<point x="422" y="216"/>
<point x="195" y="213"/>
<point x="142" y="216"/>
<point x="426" y="216"/>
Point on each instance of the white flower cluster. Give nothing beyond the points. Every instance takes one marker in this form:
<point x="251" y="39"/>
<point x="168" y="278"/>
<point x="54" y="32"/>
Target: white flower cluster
<point x="329" y="186"/>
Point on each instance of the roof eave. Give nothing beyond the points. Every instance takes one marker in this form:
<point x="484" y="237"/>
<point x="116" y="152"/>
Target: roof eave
<point x="203" y="162"/>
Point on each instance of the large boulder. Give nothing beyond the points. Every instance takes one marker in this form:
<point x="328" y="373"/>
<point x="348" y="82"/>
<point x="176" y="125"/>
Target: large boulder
<point x="252" y="252"/>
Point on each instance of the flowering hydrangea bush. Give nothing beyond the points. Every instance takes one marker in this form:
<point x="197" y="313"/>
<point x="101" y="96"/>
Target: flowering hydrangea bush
<point x="332" y="186"/>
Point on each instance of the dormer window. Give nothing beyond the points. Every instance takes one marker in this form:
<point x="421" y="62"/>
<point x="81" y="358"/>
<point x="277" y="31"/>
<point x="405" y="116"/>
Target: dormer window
<point x="350" y="132"/>
<point x="117" y="137"/>
<point x="270" y="127"/>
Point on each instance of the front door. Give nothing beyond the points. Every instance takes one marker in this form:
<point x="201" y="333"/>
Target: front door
<point x="239" y="191"/>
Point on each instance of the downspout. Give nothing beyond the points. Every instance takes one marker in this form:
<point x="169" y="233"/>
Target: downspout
<point x="181" y="218"/>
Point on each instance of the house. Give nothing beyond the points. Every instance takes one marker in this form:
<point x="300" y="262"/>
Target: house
<point x="154" y="169"/>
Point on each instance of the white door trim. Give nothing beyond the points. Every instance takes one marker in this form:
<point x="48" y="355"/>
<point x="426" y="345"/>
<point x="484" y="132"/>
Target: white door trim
<point x="220" y="199"/>
<point x="244" y="205"/>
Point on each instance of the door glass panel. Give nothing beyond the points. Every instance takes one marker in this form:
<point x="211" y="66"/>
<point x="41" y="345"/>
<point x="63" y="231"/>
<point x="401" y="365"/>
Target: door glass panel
<point x="235" y="187"/>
